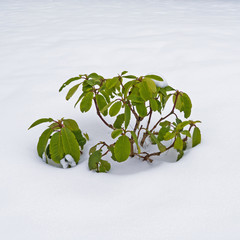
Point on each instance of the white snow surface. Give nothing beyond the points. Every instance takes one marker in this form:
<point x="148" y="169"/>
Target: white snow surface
<point x="194" y="45"/>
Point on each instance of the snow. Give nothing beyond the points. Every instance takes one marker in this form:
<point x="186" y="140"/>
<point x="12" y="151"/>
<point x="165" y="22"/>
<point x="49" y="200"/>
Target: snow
<point x="194" y="45"/>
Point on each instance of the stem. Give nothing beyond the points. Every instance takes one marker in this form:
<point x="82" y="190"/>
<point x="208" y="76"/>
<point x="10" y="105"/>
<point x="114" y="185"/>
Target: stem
<point x="138" y="120"/>
<point x="146" y="133"/>
<point x="100" y="115"/>
<point x="172" y="112"/>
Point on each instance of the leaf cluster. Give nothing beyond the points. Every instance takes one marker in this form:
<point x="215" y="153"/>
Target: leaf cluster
<point x="60" y="139"/>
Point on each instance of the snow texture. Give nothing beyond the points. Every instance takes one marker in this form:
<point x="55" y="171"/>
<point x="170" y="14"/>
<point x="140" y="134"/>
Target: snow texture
<point x="194" y="45"/>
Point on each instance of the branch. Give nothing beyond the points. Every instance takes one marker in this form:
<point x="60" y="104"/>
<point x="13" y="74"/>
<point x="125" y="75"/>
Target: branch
<point x="100" y="115"/>
<point x="172" y="112"/>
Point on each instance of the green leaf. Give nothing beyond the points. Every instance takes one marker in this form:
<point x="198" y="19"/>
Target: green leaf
<point x="101" y="102"/>
<point x="178" y="144"/>
<point x="56" y="147"/>
<point x="155" y="77"/>
<point x="43" y="140"/>
<point x="144" y="91"/>
<point x="122" y="148"/>
<point x="169" y="88"/>
<point x="86" y="102"/>
<point x="135" y="99"/>
<point x="153" y="104"/>
<point x="181" y="125"/>
<point x="94" y="159"/>
<point x="81" y="96"/>
<point x="187" y="105"/>
<point x="124" y="72"/>
<point x="119" y="121"/>
<point x="70" y="144"/>
<point x="186" y="133"/>
<point x="179" y="103"/>
<point x="161" y="147"/>
<point x="104" y="166"/>
<point x="141" y="109"/>
<point x="72" y="91"/>
<point x="39" y="121"/>
<point x="180" y="155"/>
<point x="163" y="132"/>
<point x="86" y="136"/>
<point x="111" y="149"/>
<point x="92" y="149"/>
<point x="93" y="82"/>
<point x="80" y="139"/>
<point x="115" y="108"/>
<point x="69" y="81"/>
<point x="165" y="124"/>
<point x="130" y="76"/>
<point x="112" y="82"/>
<point x="136" y="141"/>
<point x="151" y="84"/>
<point x="116" y="133"/>
<point x="127" y="87"/>
<point x="105" y="93"/>
<point x="73" y="126"/>
<point x="169" y="136"/>
<point x="94" y="76"/>
<point x="127" y="116"/>
<point x="196" y="137"/>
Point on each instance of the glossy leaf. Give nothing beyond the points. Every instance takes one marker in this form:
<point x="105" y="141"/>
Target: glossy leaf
<point x="94" y="159"/>
<point x="92" y="149"/>
<point x="122" y="149"/>
<point x="111" y="149"/>
<point x="151" y="84"/>
<point x="181" y="125"/>
<point x="115" y="108"/>
<point x="112" y="82"/>
<point x="153" y="104"/>
<point x="119" y="121"/>
<point x="130" y="76"/>
<point x="127" y="87"/>
<point x="144" y="91"/>
<point x="187" y="105"/>
<point x="127" y="116"/>
<point x="178" y="144"/>
<point x="73" y="126"/>
<point x="186" y="133"/>
<point x="39" y="121"/>
<point x="104" y="166"/>
<point x="169" y="136"/>
<point x="115" y="133"/>
<point x="155" y="77"/>
<point x="43" y="140"/>
<point x="161" y="147"/>
<point x="86" y="102"/>
<point x="124" y="72"/>
<point x="196" y="137"/>
<point x="180" y="155"/>
<point x="165" y="124"/>
<point x="101" y="102"/>
<point x="94" y="76"/>
<point x="141" y="109"/>
<point x="162" y="132"/>
<point x="68" y="82"/>
<point x="56" y="147"/>
<point x="72" y="91"/>
<point x="70" y="144"/>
